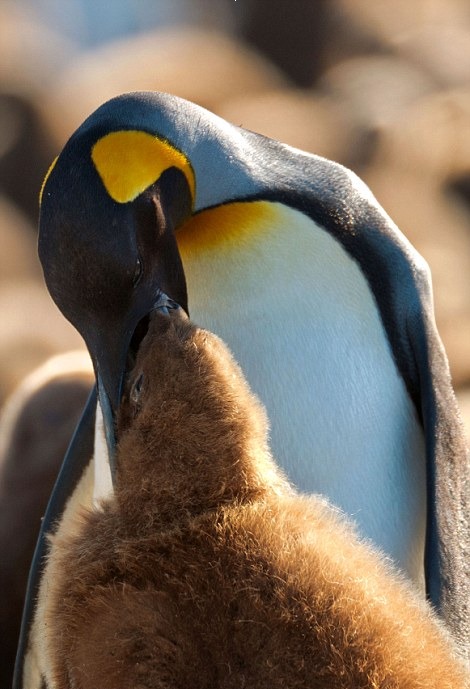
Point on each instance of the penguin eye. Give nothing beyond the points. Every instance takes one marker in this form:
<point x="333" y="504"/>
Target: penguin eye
<point x="138" y="270"/>
<point x="136" y="390"/>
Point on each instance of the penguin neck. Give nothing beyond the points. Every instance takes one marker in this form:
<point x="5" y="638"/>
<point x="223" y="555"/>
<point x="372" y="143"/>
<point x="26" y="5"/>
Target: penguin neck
<point x="168" y="480"/>
<point x="198" y="443"/>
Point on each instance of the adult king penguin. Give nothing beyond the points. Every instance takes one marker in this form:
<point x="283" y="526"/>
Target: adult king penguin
<point x="324" y="303"/>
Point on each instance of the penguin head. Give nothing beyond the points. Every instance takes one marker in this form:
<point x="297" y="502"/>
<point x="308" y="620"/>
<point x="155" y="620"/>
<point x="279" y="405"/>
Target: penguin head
<point x="109" y="209"/>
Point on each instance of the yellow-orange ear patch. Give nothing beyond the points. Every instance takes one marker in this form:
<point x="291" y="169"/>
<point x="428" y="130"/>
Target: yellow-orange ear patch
<point x="47" y="175"/>
<point x="130" y="161"/>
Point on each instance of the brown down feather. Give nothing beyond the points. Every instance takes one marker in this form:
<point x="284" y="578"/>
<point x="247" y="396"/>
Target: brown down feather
<point x="206" y="570"/>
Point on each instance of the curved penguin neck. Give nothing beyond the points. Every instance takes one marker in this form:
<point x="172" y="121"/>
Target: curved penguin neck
<point x="199" y="441"/>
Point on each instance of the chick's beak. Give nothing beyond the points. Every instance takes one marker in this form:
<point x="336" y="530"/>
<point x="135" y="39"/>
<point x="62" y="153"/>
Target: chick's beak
<point x="112" y="363"/>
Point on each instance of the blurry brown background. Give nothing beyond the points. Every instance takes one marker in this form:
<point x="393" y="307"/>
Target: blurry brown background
<point x="382" y="87"/>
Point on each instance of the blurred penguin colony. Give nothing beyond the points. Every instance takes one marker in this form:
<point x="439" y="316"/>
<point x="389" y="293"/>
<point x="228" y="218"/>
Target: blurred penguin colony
<point x="382" y="87"/>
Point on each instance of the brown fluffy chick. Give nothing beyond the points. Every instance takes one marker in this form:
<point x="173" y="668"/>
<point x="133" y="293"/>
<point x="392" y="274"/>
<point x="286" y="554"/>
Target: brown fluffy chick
<point x="206" y="570"/>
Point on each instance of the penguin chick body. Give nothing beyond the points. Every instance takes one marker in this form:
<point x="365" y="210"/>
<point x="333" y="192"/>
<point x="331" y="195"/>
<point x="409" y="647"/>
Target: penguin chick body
<point x="206" y="569"/>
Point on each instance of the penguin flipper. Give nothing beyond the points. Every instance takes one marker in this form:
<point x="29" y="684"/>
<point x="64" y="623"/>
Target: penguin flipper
<point x="76" y="460"/>
<point x="447" y="547"/>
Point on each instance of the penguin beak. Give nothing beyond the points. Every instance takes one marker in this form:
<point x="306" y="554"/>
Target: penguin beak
<point x="112" y="368"/>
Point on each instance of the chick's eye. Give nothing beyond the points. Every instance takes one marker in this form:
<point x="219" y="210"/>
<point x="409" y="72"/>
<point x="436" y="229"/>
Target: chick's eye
<point x="138" y="270"/>
<point x="136" y="389"/>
